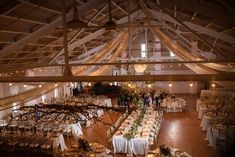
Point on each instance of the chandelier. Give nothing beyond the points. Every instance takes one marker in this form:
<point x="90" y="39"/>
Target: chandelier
<point x="140" y="67"/>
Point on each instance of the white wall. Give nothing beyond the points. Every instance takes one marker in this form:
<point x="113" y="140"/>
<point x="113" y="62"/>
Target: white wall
<point x="179" y="87"/>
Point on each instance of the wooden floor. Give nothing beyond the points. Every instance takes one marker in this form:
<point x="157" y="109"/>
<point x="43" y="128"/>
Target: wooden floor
<point x="179" y="130"/>
<point x="183" y="131"/>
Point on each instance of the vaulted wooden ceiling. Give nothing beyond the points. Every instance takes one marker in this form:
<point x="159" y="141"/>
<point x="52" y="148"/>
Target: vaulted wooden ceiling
<point x="31" y="31"/>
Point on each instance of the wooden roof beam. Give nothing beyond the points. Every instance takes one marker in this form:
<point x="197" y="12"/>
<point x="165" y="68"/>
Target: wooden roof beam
<point x="124" y="78"/>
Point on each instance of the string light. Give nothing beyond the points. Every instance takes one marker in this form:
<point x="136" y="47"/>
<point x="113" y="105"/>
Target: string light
<point x="25" y="85"/>
<point x="213" y="85"/>
<point x="110" y="83"/>
<point x="56" y="84"/>
<point x="10" y="84"/>
<point x="40" y="86"/>
<point x="149" y="85"/>
<point x="129" y="85"/>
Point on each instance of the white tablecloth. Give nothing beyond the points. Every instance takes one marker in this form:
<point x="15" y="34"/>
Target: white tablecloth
<point x="201" y="112"/>
<point x="76" y="129"/>
<point x="120" y="144"/>
<point x="198" y="104"/>
<point x="213" y="133"/>
<point x="59" y="141"/>
<point x="173" y="105"/>
<point x="140" y="146"/>
<point x="205" y="122"/>
<point x="108" y="102"/>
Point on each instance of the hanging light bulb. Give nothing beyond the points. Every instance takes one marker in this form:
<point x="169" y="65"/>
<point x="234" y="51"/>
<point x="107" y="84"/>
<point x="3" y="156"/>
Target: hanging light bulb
<point x="40" y="86"/>
<point x="10" y="84"/>
<point x="25" y="85"/>
<point x="89" y="84"/>
<point x="191" y="84"/>
<point x="72" y="84"/>
<point x="213" y="85"/>
<point x="149" y="85"/>
<point x="56" y="84"/>
<point x="170" y="84"/>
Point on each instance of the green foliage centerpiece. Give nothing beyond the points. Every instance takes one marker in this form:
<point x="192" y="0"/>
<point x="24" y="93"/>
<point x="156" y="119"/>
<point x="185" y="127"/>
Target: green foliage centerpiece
<point x="133" y="130"/>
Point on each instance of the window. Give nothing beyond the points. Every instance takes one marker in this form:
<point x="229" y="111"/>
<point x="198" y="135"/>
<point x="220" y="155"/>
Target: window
<point x="143" y="53"/>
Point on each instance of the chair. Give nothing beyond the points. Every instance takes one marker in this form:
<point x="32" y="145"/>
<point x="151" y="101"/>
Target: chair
<point x="23" y="143"/>
<point x="47" y="146"/>
<point x="34" y="144"/>
<point x="12" y="142"/>
<point x="2" y="142"/>
<point x="220" y="140"/>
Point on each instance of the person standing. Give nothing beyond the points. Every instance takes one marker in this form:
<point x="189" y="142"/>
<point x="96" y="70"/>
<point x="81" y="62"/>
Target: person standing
<point x="156" y="97"/>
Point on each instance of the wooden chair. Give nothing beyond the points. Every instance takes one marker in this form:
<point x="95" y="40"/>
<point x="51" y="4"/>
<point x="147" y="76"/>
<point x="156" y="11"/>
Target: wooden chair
<point x="47" y="146"/>
<point x="12" y="142"/>
<point x="34" y="144"/>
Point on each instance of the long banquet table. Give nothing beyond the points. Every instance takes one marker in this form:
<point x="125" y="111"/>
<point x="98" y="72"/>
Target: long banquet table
<point x="146" y="132"/>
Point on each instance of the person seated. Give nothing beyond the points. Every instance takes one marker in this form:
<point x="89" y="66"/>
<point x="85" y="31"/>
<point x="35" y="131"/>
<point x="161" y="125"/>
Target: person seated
<point x="83" y="144"/>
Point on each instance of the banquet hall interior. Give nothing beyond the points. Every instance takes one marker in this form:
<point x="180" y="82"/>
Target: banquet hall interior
<point x="116" y="78"/>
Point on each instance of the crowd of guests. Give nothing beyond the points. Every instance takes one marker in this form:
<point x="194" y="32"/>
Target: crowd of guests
<point x="153" y="98"/>
<point x="131" y="99"/>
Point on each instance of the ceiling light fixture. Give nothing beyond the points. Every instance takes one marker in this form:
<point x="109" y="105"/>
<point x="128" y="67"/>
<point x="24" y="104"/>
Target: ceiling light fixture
<point x="140" y="67"/>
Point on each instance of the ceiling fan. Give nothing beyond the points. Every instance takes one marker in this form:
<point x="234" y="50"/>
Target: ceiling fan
<point x="78" y="23"/>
